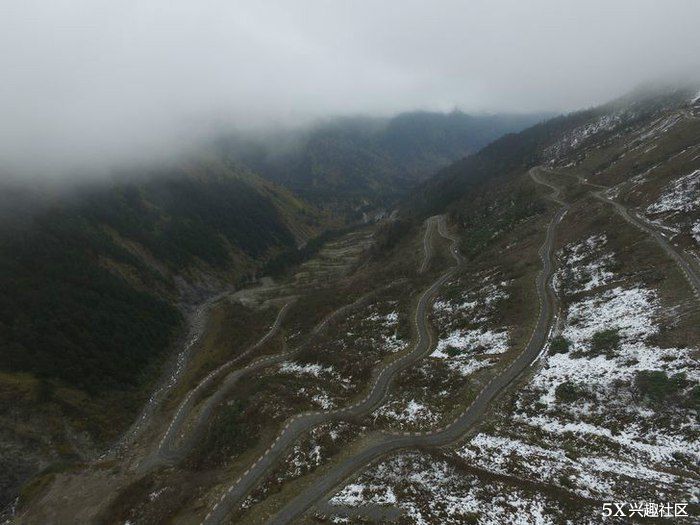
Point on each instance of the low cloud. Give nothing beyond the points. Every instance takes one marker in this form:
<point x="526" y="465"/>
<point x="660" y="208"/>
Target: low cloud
<point x="88" y="84"/>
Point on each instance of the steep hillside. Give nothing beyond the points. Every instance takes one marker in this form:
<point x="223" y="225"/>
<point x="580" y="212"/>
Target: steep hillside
<point x="531" y="351"/>
<point x="357" y="164"/>
<point x="94" y="285"/>
<point x="516" y="152"/>
<point x="565" y="373"/>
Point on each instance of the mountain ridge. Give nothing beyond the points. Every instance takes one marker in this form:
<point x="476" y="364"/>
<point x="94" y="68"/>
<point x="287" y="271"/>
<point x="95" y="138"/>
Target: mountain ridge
<point x="356" y="163"/>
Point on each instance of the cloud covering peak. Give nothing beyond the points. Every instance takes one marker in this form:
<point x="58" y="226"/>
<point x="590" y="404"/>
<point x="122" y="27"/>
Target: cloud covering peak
<point x="104" y="81"/>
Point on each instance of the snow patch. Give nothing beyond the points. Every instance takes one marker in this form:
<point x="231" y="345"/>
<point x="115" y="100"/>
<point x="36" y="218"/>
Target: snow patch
<point x="313" y="369"/>
<point x="430" y="491"/>
<point x="479" y="340"/>
<point x="468" y="347"/>
<point x="681" y="197"/>
<point x="412" y="412"/>
<point x="586" y="266"/>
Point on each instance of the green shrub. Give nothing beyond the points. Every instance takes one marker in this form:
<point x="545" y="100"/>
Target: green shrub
<point x="453" y="351"/>
<point x="567" y="392"/>
<point x="657" y="386"/>
<point x="470" y="518"/>
<point x="605" y="342"/>
<point x="559" y="345"/>
<point x="565" y="481"/>
<point x="693" y="399"/>
<point x="572" y="452"/>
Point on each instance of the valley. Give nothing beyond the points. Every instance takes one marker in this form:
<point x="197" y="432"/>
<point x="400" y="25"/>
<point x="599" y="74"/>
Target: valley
<point x="309" y="262"/>
<point x="520" y="336"/>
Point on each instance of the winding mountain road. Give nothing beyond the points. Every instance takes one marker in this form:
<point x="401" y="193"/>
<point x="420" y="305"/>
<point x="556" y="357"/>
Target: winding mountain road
<point x="427" y="244"/>
<point x="170" y="378"/>
<point x="380" y="384"/>
<point x="684" y="261"/>
<point x="164" y="451"/>
<point x="547" y="303"/>
<point x="169" y="450"/>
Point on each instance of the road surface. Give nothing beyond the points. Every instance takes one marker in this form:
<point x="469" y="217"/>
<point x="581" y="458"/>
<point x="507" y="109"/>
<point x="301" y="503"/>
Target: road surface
<point x="170" y="378"/>
<point x="169" y="450"/>
<point x="547" y="304"/>
<point x="427" y="245"/>
<point x="165" y="451"/>
<point x="380" y="384"/>
<point x="684" y="261"/>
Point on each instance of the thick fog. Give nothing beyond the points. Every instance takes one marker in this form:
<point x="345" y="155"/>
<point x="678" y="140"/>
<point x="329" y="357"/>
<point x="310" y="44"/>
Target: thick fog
<point x="95" y="82"/>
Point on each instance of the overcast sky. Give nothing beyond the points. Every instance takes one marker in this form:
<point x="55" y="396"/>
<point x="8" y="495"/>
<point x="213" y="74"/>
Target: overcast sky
<point x="107" y="80"/>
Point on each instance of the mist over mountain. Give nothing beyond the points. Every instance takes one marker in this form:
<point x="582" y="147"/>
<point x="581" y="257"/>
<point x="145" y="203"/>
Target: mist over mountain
<point x="363" y="161"/>
<point x="395" y="261"/>
<point x="89" y="85"/>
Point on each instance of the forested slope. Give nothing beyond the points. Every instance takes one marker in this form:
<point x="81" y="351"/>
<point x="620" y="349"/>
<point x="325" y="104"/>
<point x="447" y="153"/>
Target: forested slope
<point x="357" y="163"/>
<point x="90" y="282"/>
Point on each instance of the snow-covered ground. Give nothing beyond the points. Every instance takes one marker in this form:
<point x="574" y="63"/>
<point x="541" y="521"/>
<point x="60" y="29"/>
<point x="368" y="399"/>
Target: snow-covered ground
<point x="584" y="423"/>
<point x="585" y="265"/>
<point x="476" y="304"/>
<point x="402" y="411"/>
<point x="658" y="127"/>
<point x="682" y="196"/>
<point x="479" y="340"/>
<point x="331" y="369"/>
<point x="434" y="491"/>
<point x="588" y="475"/>
<point x="578" y="136"/>
<point x="677" y="209"/>
<point x="312" y="369"/>
<point x="469" y="340"/>
<point x="696" y="98"/>
<point x="323" y="401"/>
<point x="464" y="350"/>
<point x="386" y="329"/>
<point x="306" y="455"/>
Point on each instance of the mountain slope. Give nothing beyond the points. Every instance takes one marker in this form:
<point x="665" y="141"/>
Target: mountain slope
<point x="351" y="163"/>
<point x="94" y="285"/>
<point x="565" y="369"/>
<point x="539" y="339"/>
<point x="513" y="153"/>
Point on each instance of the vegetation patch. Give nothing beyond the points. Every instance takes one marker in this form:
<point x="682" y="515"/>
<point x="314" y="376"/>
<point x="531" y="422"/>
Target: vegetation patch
<point x="605" y="342"/>
<point x="568" y="392"/>
<point x="559" y="345"/>
<point x="657" y="387"/>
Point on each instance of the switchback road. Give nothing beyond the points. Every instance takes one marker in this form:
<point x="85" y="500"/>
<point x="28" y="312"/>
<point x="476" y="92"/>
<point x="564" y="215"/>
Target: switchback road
<point x="547" y="303"/>
<point x="684" y="261"/>
<point x="169" y="450"/>
<point x="380" y="384"/>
